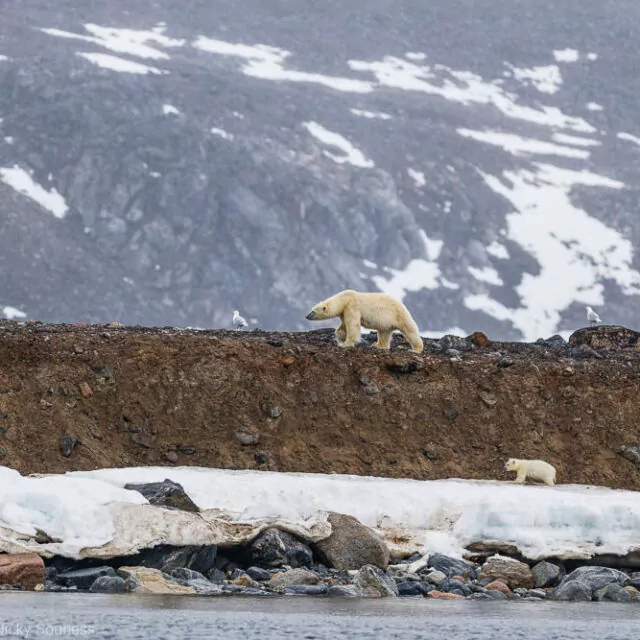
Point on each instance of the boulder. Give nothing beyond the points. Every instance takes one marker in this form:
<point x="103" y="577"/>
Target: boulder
<point x="606" y="337"/>
<point x="261" y="575"/>
<point x="512" y="572"/>
<point x="185" y="575"/>
<point x="165" y="494"/>
<point x="294" y="577"/>
<point x="109" y="584"/>
<point x="145" y="580"/>
<point x="22" y="568"/>
<point x="572" y="591"/>
<point x="245" y="580"/>
<point x="274" y="548"/>
<point x="612" y="592"/>
<point x="596" y="578"/>
<point x="545" y="574"/>
<point x="351" y="545"/>
<point x="450" y="566"/>
<point x="374" y="582"/>
<point x="498" y="585"/>
<point x="84" y="578"/>
<point x="205" y="588"/>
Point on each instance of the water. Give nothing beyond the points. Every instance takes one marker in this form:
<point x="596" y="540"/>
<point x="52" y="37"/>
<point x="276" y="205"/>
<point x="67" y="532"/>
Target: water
<point x="49" y="615"/>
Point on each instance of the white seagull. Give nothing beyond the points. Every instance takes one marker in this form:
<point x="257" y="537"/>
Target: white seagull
<point x="238" y="321"/>
<point x="592" y="316"/>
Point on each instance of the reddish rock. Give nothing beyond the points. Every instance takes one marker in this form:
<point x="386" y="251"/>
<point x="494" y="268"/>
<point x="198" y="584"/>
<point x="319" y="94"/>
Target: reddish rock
<point x="498" y="585"/>
<point x="287" y="361"/>
<point x="440" y="595"/>
<point x="86" y="390"/>
<point x="22" y="568"/>
<point x="479" y="339"/>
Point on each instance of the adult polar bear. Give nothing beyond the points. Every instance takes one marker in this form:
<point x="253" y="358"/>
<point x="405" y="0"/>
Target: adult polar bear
<point x="377" y="311"/>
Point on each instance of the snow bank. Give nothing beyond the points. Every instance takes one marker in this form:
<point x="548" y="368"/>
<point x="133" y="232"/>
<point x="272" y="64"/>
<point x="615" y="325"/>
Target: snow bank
<point x="93" y="516"/>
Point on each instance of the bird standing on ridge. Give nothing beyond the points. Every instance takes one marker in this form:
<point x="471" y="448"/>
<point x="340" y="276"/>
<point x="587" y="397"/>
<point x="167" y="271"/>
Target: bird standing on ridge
<point x="592" y="316"/>
<point x="238" y="321"/>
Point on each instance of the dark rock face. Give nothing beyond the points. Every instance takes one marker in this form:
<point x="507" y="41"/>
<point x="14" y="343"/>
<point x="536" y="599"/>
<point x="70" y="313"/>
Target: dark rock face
<point x="181" y="199"/>
<point x="165" y="494"/>
<point x="168" y="558"/>
<point x="274" y="548"/>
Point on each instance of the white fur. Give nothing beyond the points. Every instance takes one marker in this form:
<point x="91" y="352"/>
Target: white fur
<point x="537" y="470"/>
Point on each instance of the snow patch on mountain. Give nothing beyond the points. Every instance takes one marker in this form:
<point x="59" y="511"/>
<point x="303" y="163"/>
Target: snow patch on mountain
<point x="519" y="146"/>
<point x="114" y="63"/>
<point x="565" y="240"/>
<point x="128" y="41"/>
<point x="267" y="62"/>
<point x="20" y="180"/>
<point x="546" y="79"/>
<point x="332" y="139"/>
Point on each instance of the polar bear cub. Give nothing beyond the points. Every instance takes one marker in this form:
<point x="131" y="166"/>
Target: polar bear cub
<point x="378" y="311"/>
<point x="537" y="470"/>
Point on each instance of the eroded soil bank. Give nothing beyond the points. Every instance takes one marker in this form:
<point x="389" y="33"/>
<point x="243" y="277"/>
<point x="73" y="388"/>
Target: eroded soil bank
<point x="85" y="397"/>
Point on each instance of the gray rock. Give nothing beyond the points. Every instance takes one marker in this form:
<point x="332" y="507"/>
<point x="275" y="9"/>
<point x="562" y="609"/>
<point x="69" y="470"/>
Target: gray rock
<point x="572" y="591"/>
<point x="165" y="494"/>
<point x="375" y="582"/>
<point x="247" y="436"/>
<point x="186" y="574"/>
<point x="450" y="566"/>
<point x="343" y="591"/>
<point x="612" y="592"/>
<point x="258" y="574"/>
<point x="67" y="445"/>
<point x="554" y="342"/>
<point x="307" y="590"/>
<point x="596" y="578"/>
<point x="414" y="588"/>
<point x="109" y="584"/>
<point x="274" y="548"/>
<point x="545" y="574"/>
<point x="351" y="545"/>
<point x="84" y="578"/>
<point x="480" y="596"/>
<point x="494" y="594"/>
<point x="635" y="582"/>
<point x="294" y="577"/>
<point x="584" y="351"/>
<point x="205" y="588"/>
<point x="630" y="452"/>
<point x="435" y="577"/>
<point x="538" y="593"/>
<point x="452" y="586"/>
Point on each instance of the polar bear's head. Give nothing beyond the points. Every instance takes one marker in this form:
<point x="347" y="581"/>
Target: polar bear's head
<point x="511" y="465"/>
<point x="321" y="311"/>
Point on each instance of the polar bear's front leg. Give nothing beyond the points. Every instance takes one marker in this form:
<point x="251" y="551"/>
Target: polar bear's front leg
<point x="351" y="321"/>
<point x="520" y="478"/>
<point x="341" y="333"/>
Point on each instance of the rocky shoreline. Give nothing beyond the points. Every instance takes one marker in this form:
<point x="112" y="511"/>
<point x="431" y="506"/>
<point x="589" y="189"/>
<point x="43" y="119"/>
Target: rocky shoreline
<point x="353" y="561"/>
<point x="437" y="576"/>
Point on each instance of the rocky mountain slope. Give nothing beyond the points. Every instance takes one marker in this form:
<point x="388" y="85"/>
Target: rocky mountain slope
<point x="166" y="163"/>
<point x="87" y="397"/>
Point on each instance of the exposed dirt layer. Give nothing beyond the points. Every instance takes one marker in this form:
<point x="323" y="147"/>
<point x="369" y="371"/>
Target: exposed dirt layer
<point x="84" y="397"/>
